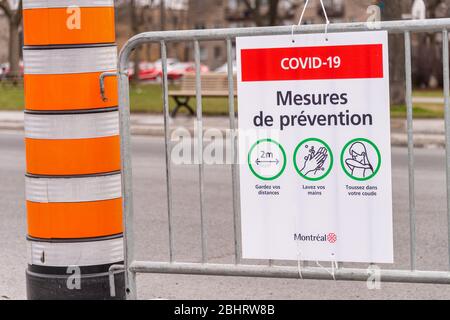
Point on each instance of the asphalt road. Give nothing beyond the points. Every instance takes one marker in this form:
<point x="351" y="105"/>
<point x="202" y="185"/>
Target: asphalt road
<point x="152" y="235"/>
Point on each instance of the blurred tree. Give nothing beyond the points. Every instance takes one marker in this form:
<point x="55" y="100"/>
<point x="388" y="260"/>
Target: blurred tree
<point x="147" y="15"/>
<point x="268" y="12"/>
<point x="162" y="14"/>
<point x="13" y="12"/>
<point x="134" y="22"/>
<point x="393" y="10"/>
<point x="430" y="50"/>
<point x="137" y="10"/>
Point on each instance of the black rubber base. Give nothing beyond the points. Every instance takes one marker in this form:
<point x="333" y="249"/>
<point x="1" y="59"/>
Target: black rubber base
<point x="92" y="287"/>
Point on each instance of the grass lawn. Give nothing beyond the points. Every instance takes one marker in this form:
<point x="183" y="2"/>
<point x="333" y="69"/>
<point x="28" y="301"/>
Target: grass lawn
<point x="419" y="111"/>
<point x="148" y="98"/>
<point x="11" y="97"/>
<point x="429" y="93"/>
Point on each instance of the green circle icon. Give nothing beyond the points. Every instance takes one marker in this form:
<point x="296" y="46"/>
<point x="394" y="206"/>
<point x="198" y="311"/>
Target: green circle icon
<point x="318" y="158"/>
<point x="360" y="163"/>
<point x="266" y="159"/>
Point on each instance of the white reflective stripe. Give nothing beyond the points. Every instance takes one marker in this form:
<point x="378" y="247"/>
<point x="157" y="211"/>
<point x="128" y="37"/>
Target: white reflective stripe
<point x="71" y="126"/>
<point x="70" y="60"/>
<point x="82" y="189"/>
<point x="61" y="254"/>
<point x="35" y="4"/>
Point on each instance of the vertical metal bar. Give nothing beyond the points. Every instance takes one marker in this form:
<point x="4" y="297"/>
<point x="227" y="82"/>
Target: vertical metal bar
<point x="127" y="176"/>
<point x="167" y="145"/>
<point x="234" y="179"/>
<point x="445" y="57"/>
<point x="198" y="95"/>
<point x="409" y="120"/>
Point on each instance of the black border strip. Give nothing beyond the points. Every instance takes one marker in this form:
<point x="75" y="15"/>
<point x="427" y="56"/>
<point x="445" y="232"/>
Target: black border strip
<point x="69" y="46"/>
<point x="93" y="175"/>
<point x="78" y="111"/>
<point x="75" y="240"/>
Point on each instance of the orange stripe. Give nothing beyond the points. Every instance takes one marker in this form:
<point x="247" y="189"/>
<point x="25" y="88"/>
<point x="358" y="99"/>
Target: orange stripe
<point x="68" y="91"/>
<point x="74" y="220"/>
<point x="73" y="156"/>
<point x="49" y="26"/>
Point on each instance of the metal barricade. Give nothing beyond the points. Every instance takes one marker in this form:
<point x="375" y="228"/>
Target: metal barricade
<point x="132" y="266"/>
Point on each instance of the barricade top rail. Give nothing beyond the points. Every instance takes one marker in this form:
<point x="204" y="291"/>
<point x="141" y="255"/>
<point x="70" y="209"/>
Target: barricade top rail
<point x="398" y="26"/>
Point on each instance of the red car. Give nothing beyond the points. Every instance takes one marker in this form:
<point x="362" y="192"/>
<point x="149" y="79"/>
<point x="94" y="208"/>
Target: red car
<point x="175" y="70"/>
<point x="147" y="71"/>
<point x="151" y="73"/>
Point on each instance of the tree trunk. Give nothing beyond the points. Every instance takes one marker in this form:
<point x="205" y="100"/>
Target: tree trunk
<point x="162" y="9"/>
<point x="393" y="11"/>
<point x="273" y="12"/>
<point x="14" y="51"/>
<point x="134" y="21"/>
<point x="257" y="14"/>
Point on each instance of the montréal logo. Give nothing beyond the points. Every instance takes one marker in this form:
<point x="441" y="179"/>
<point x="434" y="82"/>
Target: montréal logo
<point x="331" y="237"/>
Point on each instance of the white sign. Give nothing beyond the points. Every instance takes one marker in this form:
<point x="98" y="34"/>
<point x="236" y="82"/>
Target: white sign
<point x="314" y="147"/>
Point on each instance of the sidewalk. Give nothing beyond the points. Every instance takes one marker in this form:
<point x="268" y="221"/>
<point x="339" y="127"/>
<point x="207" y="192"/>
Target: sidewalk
<point x="427" y="132"/>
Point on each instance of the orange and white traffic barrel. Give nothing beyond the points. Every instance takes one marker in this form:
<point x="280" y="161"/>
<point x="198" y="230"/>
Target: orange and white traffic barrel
<point x="61" y="79"/>
<point x="53" y="22"/>
<point x="73" y="179"/>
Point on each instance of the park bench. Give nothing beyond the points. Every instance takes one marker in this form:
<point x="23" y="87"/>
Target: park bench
<point x="214" y="85"/>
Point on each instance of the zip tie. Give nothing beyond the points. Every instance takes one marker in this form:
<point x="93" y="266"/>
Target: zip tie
<point x="299" y="264"/>
<point x="327" y="20"/>
<point x="301" y="19"/>
<point x="292" y="33"/>
<point x="333" y="264"/>
<point x="303" y="12"/>
<point x="299" y="267"/>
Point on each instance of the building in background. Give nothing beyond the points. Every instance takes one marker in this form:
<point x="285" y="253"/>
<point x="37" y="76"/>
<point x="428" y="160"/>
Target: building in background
<point x="147" y="17"/>
<point x="206" y="15"/>
<point x="236" y="13"/>
<point x="337" y="11"/>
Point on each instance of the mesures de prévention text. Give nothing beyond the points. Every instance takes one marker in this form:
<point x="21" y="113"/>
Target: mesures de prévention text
<point x="312" y="118"/>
